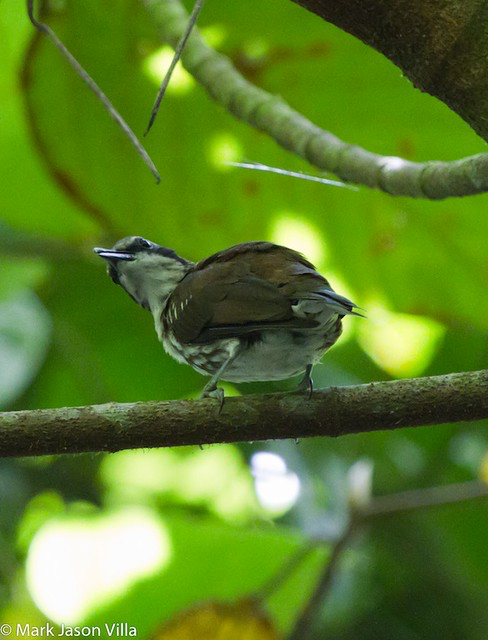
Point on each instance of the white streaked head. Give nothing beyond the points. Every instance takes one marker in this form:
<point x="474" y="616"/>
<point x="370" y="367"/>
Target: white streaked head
<point x="148" y="272"/>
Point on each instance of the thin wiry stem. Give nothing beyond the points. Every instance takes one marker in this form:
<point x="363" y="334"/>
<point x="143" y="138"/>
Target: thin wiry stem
<point x="257" y="166"/>
<point x="94" y="87"/>
<point x="177" y="55"/>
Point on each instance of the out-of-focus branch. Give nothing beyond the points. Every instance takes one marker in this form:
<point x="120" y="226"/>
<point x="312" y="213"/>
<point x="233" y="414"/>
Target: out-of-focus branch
<point x="272" y="115"/>
<point x="378" y="507"/>
<point x="424" y="498"/>
<point x="333" y="412"/>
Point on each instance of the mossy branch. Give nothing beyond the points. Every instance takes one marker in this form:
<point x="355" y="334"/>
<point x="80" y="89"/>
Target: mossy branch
<point x="272" y="115"/>
<point x="333" y="412"/>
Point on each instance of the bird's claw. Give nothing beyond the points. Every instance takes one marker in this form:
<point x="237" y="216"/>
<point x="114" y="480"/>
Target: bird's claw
<point x="214" y="392"/>
<point x="306" y="384"/>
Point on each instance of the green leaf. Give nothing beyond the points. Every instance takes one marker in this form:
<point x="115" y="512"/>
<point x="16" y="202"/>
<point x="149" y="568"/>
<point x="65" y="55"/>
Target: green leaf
<point x="17" y="274"/>
<point x="47" y="209"/>
<point x="25" y="331"/>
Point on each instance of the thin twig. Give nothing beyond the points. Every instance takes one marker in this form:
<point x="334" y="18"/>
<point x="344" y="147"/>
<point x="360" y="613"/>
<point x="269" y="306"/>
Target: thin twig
<point x="94" y="87"/>
<point x="177" y="55"/>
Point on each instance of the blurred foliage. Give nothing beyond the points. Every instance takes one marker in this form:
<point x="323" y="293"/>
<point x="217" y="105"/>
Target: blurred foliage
<point x="215" y="621"/>
<point x="84" y="527"/>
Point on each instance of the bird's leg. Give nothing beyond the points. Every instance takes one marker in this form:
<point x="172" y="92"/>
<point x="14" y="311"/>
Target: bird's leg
<point x="210" y="390"/>
<point x="306" y="383"/>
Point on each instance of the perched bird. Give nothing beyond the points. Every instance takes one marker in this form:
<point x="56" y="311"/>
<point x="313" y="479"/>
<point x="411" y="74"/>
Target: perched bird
<point x="255" y="311"/>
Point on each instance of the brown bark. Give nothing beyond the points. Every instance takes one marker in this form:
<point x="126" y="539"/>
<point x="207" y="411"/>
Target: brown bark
<point x="333" y="412"/>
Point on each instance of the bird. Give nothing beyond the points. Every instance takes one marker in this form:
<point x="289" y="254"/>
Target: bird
<point x="256" y="311"/>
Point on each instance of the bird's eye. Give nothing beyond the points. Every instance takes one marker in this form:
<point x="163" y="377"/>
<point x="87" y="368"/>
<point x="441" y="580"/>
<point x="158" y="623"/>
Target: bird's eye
<point x="138" y="244"/>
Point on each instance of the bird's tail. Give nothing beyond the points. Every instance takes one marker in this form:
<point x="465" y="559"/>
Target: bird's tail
<point x="334" y="301"/>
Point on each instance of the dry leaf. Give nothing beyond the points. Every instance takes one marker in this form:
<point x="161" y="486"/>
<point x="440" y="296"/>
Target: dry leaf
<point x="243" y="620"/>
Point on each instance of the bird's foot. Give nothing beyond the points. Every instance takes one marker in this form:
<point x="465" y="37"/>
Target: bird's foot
<point x="306" y="383"/>
<point x="212" y="391"/>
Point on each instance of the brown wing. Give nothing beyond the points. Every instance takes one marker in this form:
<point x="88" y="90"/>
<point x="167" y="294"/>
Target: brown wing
<point x="258" y="249"/>
<point x="244" y="289"/>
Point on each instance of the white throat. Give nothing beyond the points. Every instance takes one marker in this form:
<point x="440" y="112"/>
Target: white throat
<point x="151" y="279"/>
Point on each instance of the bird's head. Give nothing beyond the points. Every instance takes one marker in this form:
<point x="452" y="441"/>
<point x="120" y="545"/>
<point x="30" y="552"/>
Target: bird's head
<point x="148" y="272"/>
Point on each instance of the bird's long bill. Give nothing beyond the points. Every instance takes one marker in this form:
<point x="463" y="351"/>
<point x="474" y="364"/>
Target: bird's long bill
<point x="110" y="254"/>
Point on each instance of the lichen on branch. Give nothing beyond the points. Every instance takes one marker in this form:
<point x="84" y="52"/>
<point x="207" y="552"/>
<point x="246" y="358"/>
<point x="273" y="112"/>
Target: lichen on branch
<point x="333" y="412"/>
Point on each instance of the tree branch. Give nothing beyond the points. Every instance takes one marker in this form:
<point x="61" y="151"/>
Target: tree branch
<point x="273" y="116"/>
<point x="336" y="411"/>
<point x="440" y="45"/>
<point x="416" y="499"/>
